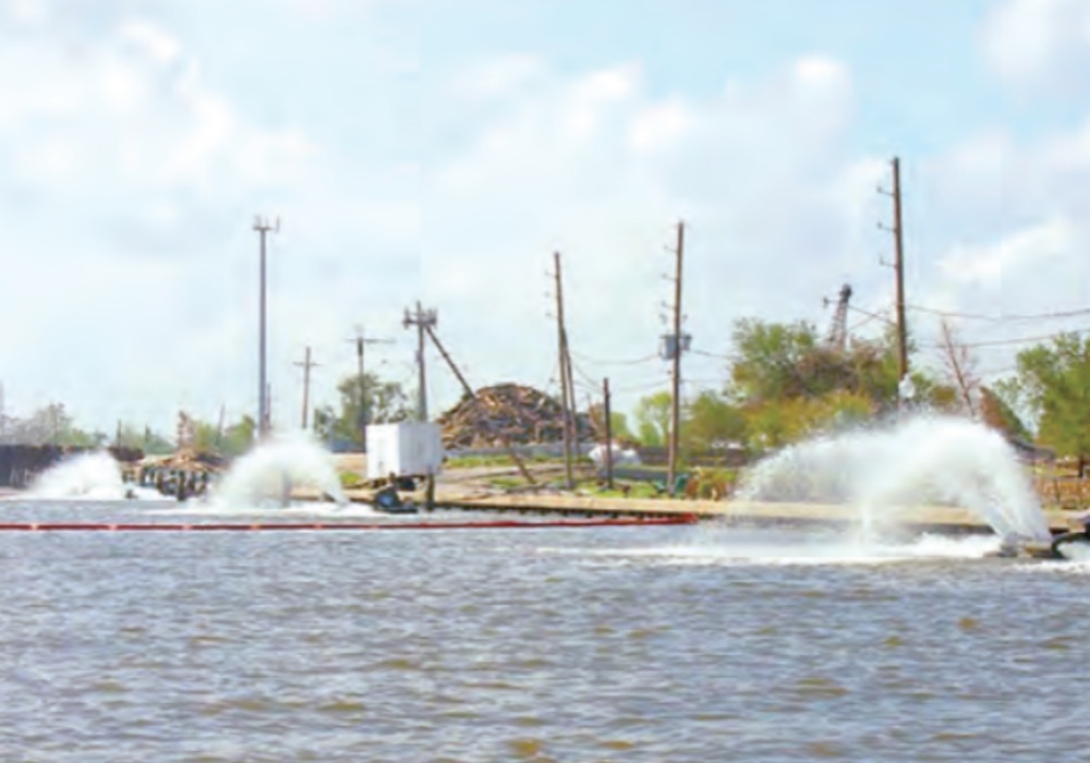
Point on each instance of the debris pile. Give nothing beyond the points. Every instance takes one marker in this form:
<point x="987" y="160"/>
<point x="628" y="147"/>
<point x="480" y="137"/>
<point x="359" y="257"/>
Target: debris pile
<point x="522" y="415"/>
<point x="185" y="459"/>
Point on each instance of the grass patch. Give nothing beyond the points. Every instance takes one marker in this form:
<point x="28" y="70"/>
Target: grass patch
<point x="507" y="483"/>
<point x="635" y="490"/>
<point x="350" y="479"/>
<point x="476" y="462"/>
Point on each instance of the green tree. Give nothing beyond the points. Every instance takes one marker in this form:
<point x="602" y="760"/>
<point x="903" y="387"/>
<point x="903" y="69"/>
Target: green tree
<point x="789" y="384"/>
<point x="619" y="427"/>
<point x="768" y="359"/>
<point x="653" y="418"/>
<point x="384" y="402"/>
<point x="234" y="440"/>
<point x="52" y="425"/>
<point x="152" y="443"/>
<point x="1053" y="384"/>
<point x="773" y="424"/>
<point x="238" y="437"/>
<point x="777" y="361"/>
<point x="710" y="420"/>
<point x="998" y="414"/>
<point x="206" y="437"/>
<point x="618" y="423"/>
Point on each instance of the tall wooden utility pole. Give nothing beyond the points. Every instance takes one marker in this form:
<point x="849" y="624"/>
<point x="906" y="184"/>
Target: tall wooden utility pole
<point x="609" y="433"/>
<point x="675" y="396"/>
<point x="423" y="320"/>
<point x="363" y="400"/>
<point x="565" y="372"/>
<point x="306" y="365"/>
<point x="263" y="227"/>
<point x="899" y="269"/>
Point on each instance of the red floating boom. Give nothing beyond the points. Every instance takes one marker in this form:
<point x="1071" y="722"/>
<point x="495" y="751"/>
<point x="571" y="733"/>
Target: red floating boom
<point x="676" y="519"/>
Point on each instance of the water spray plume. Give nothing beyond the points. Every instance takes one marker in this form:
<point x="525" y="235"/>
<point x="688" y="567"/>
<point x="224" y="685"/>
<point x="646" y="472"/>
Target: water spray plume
<point x="88" y="475"/>
<point x="276" y="466"/>
<point x="918" y="461"/>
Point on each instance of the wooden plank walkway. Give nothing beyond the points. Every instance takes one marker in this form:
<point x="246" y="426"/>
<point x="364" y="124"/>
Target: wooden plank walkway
<point x="934" y="518"/>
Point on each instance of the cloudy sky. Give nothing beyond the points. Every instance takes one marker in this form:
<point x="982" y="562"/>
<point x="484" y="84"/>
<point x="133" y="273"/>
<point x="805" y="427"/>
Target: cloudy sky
<point x="441" y="150"/>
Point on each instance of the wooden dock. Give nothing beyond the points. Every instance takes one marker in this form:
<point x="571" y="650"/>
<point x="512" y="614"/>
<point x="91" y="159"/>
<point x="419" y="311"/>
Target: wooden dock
<point x="923" y="518"/>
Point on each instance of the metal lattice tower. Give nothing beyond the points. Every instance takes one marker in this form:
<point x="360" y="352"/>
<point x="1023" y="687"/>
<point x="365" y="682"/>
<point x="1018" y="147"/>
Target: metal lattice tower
<point x="838" y="329"/>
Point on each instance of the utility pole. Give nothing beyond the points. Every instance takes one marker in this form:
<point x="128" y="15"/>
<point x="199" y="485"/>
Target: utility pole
<point x="675" y="397"/>
<point x="424" y="320"/>
<point x="899" y="270"/>
<point x="565" y="372"/>
<point x="262" y="226"/>
<point x="363" y="400"/>
<point x="573" y="416"/>
<point x="306" y="365"/>
<point x="268" y="408"/>
<point x="220" y="426"/>
<point x="609" y="433"/>
<point x="476" y="400"/>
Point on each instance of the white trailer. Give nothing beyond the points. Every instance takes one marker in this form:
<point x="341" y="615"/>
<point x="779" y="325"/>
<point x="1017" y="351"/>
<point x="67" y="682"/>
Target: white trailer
<point x="405" y="449"/>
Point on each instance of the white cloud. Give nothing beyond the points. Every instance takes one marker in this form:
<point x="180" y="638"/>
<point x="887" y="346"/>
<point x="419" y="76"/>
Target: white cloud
<point x="145" y="133"/>
<point x="129" y="180"/>
<point x="162" y="47"/>
<point x="499" y="76"/>
<point x="822" y="73"/>
<point x="131" y="166"/>
<point x="660" y="126"/>
<point x="27" y="13"/>
<point x="1019" y="253"/>
<point x="1013" y="213"/>
<point x="597" y="167"/>
<point x="1039" y="42"/>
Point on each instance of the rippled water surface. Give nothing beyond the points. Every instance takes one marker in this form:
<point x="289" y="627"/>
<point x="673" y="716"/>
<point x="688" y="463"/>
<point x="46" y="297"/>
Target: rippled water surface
<point x="605" y="644"/>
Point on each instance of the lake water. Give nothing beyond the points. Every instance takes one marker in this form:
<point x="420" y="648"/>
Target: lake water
<point x="605" y="644"/>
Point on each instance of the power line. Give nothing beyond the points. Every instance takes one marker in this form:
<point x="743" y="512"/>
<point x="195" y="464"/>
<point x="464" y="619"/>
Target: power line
<point x="707" y="354"/>
<point x="641" y="387"/>
<point x="587" y="377"/>
<point x="1019" y="340"/>
<point x="586" y="386"/>
<point x="872" y="316"/>
<point x="862" y="323"/>
<point x="599" y="362"/>
<point x="1001" y="318"/>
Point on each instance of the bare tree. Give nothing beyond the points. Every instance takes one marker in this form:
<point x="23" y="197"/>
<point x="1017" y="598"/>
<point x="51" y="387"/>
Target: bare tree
<point x="960" y="367"/>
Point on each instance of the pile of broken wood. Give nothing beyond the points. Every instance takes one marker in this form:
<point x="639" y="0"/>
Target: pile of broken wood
<point x="522" y="415"/>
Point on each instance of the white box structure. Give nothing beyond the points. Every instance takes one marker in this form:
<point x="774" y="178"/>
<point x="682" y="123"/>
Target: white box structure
<point x="406" y="449"/>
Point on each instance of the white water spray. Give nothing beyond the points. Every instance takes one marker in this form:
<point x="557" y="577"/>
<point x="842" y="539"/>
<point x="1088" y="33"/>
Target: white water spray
<point x="269" y="471"/>
<point x="922" y="460"/>
<point x="88" y="475"/>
